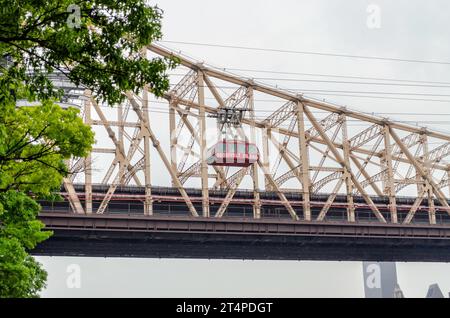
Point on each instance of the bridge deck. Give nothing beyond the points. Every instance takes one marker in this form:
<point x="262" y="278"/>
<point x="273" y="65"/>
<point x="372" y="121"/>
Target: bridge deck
<point x="187" y="237"/>
<point x="129" y="200"/>
<point x="123" y="231"/>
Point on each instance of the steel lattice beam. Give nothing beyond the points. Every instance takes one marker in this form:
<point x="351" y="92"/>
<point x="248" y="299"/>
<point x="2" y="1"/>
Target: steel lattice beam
<point x="323" y="153"/>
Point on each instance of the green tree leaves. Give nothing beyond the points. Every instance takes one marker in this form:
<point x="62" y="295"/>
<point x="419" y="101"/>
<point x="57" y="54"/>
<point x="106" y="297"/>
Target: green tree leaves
<point x="97" y="45"/>
<point x="20" y="274"/>
<point x="38" y="140"/>
<point x="103" y="52"/>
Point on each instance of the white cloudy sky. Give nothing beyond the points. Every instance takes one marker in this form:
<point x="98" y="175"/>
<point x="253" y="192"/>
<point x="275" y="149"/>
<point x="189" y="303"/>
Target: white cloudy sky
<point x="416" y="30"/>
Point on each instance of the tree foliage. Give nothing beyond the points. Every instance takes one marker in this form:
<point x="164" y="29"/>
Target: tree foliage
<point x="97" y="45"/>
<point x="99" y="41"/>
<point x="20" y="274"/>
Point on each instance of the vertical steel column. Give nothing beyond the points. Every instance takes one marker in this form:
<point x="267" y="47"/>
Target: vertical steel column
<point x="348" y="181"/>
<point x="304" y="162"/>
<point x="257" y="203"/>
<point x="384" y="167"/>
<point x="88" y="160"/>
<point x="148" y="204"/>
<point x="267" y="134"/>
<point x="419" y="179"/>
<point x="448" y="177"/>
<point x="173" y="138"/>
<point x="203" y="165"/>
<point x="390" y="185"/>
<point x="426" y="164"/>
<point x="120" y="127"/>
<point x="145" y="120"/>
<point x="431" y="207"/>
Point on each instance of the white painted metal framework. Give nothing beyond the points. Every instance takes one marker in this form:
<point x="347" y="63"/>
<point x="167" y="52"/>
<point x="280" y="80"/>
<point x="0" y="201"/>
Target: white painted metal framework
<point x="306" y="146"/>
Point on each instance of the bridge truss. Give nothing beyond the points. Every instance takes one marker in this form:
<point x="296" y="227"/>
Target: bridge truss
<point x="314" y="149"/>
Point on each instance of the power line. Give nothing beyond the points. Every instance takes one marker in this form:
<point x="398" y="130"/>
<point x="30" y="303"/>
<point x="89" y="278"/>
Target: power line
<point x="317" y="75"/>
<point x="347" y="92"/>
<point x="368" y="92"/>
<point x="388" y="98"/>
<point x="347" y="95"/>
<point x="163" y="110"/>
<point x="351" y="122"/>
<point x="308" y="52"/>
<point x="347" y="82"/>
<point x="357" y="96"/>
<point x="336" y="76"/>
<point x="339" y="82"/>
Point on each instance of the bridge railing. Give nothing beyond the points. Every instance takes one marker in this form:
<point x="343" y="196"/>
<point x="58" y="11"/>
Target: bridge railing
<point x="135" y="208"/>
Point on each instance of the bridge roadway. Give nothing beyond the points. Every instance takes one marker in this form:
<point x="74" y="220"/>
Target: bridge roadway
<point x="171" y="233"/>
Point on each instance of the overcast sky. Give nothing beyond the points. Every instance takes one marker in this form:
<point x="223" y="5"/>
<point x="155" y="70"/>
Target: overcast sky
<point x="418" y="30"/>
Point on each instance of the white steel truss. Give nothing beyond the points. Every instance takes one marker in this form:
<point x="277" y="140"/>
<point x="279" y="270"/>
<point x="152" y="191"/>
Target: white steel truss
<point x="317" y="155"/>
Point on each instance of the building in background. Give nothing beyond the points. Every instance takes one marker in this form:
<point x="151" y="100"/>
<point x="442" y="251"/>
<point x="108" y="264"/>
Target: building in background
<point x="434" y="292"/>
<point x="380" y="280"/>
<point x="398" y="293"/>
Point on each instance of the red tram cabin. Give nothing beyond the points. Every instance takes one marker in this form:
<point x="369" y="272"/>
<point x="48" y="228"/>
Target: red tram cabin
<point x="234" y="153"/>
